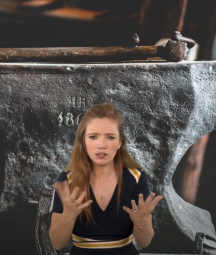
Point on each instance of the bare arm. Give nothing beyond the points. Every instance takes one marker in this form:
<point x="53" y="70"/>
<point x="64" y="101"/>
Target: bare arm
<point x="144" y="234"/>
<point x="60" y="230"/>
<point x="62" y="224"/>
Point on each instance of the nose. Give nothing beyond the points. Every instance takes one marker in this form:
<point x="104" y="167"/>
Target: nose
<point x="102" y="144"/>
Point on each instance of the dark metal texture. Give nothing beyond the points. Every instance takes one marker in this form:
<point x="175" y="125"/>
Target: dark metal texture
<point x="167" y="108"/>
<point x="204" y="244"/>
<point x="43" y="220"/>
<point x="42" y="239"/>
<point x="177" y="36"/>
<point x="199" y="243"/>
<point x="134" y="41"/>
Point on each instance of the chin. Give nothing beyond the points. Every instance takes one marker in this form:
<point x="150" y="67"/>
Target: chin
<point x="101" y="163"/>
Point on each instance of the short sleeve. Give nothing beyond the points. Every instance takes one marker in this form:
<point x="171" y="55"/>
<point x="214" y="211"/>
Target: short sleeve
<point x="57" y="205"/>
<point x="141" y="187"/>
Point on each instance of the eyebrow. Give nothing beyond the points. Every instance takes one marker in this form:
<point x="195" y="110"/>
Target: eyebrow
<point x="97" y="134"/>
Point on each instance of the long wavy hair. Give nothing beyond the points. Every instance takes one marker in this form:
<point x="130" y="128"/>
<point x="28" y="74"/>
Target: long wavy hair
<point x="80" y="165"/>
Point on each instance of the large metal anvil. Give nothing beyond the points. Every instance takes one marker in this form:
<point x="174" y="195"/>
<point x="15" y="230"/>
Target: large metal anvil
<point x="167" y="107"/>
<point x="175" y="50"/>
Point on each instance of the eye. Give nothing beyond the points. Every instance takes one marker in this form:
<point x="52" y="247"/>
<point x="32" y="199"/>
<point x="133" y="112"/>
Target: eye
<point x="111" y="137"/>
<point x="93" y="137"/>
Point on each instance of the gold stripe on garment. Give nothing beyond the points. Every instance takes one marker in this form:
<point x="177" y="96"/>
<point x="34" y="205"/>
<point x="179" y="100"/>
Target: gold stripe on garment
<point x="136" y="173"/>
<point x="95" y="244"/>
<point x="69" y="178"/>
<point x="82" y="239"/>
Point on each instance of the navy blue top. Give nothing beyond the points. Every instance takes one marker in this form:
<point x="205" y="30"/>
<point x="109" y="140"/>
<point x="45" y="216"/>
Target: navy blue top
<point x="110" y="225"/>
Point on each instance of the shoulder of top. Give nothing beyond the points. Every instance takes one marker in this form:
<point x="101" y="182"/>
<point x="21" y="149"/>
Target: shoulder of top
<point x="69" y="176"/>
<point x="136" y="173"/>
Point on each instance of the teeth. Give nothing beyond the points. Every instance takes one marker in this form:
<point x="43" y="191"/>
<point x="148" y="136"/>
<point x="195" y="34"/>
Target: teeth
<point x="101" y="154"/>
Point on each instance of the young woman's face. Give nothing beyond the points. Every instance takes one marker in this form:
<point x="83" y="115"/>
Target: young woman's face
<point x="102" y="141"/>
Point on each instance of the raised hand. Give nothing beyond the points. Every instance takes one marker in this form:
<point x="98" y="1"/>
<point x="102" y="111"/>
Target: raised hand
<point x="72" y="203"/>
<point x="141" y="212"/>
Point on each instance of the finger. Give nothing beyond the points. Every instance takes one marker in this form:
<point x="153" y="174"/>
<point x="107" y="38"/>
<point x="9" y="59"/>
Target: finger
<point x="81" y="197"/>
<point x="84" y="205"/>
<point x="61" y="189"/>
<point x="155" y="201"/>
<point x="141" y="203"/>
<point x="66" y="188"/>
<point x="134" y="205"/>
<point x="74" y="193"/>
<point x="128" y="210"/>
<point x="148" y="200"/>
<point x="58" y="188"/>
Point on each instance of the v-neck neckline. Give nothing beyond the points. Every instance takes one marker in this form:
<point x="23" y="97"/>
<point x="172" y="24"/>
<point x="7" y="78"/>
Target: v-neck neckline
<point x="108" y="202"/>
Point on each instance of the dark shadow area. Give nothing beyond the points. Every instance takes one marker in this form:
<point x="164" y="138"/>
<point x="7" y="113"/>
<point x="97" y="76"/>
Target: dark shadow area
<point x="81" y="23"/>
<point x="16" y="224"/>
<point x="157" y="245"/>
<point x="2" y="159"/>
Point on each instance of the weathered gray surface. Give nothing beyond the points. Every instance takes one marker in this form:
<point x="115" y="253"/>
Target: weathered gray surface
<point x="167" y="108"/>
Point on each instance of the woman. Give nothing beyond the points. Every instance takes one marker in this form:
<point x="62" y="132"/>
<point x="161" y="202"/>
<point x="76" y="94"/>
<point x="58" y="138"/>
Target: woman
<point x="102" y="198"/>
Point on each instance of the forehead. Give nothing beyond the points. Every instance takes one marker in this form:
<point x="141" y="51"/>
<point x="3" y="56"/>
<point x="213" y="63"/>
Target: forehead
<point x="102" y="125"/>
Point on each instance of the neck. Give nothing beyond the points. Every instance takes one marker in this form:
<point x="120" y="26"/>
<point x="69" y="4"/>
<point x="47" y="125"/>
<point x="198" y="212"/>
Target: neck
<point x="102" y="172"/>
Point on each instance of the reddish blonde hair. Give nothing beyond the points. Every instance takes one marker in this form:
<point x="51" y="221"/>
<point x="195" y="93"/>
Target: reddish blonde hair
<point x="80" y="165"/>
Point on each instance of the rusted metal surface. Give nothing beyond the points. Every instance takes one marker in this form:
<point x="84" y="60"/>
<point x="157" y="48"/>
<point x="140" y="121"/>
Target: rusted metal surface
<point x="175" y="51"/>
<point x="77" y="54"/>
<point x="177" y="36"/>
